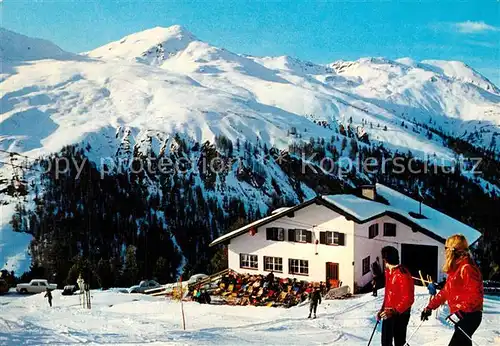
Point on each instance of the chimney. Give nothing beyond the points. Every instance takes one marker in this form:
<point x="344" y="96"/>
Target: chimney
<point x="369" y="191"/>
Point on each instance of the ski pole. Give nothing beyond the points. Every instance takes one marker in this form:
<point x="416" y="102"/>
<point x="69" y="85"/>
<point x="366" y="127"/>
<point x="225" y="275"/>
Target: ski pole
<point x="373" y="333"/>
<point x="411" y="336"/>
<point x="467" y="335"/>
<point x="460" y="328"/>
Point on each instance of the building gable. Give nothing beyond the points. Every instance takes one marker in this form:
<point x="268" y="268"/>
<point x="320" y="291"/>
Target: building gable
<point x="361" y="210"/>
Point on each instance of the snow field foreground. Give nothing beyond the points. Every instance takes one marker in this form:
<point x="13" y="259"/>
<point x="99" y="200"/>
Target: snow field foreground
<point x="124" y="319"/>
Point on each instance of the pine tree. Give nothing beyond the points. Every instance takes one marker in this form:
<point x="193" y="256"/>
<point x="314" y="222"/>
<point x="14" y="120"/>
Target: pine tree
<point x="219" y="261"/>
<point x="130" y="270"/>
<point x="161" y="272"/>
<point x="104" y="272"/>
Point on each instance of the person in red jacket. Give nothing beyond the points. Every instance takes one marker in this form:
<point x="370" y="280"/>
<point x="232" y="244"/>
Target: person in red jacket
<point x="463" y="291"/>
<point x="398" y="299"/>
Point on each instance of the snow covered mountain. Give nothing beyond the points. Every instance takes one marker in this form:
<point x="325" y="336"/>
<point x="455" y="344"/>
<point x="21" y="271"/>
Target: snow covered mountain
<point x="142" y="81"/>
<point x="136" y="93"/>
<point x="16" y="47"/>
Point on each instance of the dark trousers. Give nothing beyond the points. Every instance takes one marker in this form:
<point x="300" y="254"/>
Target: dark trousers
<point x="394" y="328"/>
<point x="50" y="302"/>
<point x="312" y="306"/>
<point x="469" y="323"/>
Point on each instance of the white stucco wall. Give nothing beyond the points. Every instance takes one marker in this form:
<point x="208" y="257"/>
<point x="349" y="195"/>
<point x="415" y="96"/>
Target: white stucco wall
<point x="323" y="219"/>
<point x="371" y="247"/>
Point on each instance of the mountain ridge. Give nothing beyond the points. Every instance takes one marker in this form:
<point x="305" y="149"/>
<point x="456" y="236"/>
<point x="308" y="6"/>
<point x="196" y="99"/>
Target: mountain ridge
<point x="159" y="84"/>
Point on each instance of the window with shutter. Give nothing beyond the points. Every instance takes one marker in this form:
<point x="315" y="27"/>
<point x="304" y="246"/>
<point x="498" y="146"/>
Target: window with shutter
<point x="333" y="238"/>
<point x="299" y="235"/>
<point x="276" y="234"/>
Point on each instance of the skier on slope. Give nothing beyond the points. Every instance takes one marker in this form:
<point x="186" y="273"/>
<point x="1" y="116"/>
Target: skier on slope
<point x="463" y="291"/>
<point x="314" y="300"/>
<point x="48" y="295"/>
<point x="398" y="299"/>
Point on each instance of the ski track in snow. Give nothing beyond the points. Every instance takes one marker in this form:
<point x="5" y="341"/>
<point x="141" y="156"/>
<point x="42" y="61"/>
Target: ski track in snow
<point x="124" y="319"/>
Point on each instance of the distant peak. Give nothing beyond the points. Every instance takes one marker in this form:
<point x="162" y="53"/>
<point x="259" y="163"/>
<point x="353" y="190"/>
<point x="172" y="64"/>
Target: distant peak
<point x="159" y="34"/>
<point x="174" y="30"/>
<point x="159" y="40"/>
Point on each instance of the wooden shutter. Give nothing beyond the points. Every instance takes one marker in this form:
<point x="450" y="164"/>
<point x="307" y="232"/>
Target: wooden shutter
<point x="309" y="236"/>
<point x="289" y="265"/>
<point x="372" y="231"/>
<point x="291" y="235"/>
<point x="269" y="232"/>
<point x="341" y="238"/>
<point x="322" y="237"/>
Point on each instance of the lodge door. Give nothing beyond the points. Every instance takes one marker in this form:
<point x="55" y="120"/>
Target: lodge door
<point x="332" y="274"/>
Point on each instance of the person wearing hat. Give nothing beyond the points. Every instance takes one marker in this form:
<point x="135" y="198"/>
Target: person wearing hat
<point x="314" y="300"/>
<point x="398" y="299"/>
<point x="463" y="290"/>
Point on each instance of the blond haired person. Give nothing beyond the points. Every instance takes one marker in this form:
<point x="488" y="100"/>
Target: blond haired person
<point x="463" y="291"/>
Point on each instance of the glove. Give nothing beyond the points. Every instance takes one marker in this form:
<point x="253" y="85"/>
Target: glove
<point x="425" y="314"/>
<point x="388" y="313"/>
<point x="378" y="315"/>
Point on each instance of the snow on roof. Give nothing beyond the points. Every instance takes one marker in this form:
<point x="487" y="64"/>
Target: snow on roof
<point x="279" y="210"/>
<point x="236" y="232"/>
<point x="360" y="208"/>
<point x="363" y="209"/>
<point x="436" y="222"/>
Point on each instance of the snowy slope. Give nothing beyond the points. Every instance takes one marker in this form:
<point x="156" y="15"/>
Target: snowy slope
<point x="460" y="71"/>
<point x="123" y="319"/>
<point x="152" y="84"/>
<point x="16" y="47"/>
<point x="445" y="95"/>
<point x="143" y="79"/>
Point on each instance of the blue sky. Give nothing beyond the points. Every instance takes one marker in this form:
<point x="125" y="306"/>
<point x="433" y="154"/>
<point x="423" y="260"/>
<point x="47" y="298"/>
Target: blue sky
<point x="311" y="30"/>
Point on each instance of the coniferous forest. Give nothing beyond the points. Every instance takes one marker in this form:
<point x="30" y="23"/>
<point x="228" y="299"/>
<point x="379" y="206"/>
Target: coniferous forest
<point x="120" y="227"/>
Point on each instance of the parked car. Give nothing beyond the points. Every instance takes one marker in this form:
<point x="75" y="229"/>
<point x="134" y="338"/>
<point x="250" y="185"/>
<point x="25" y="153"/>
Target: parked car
<point x="35" y="286"/>
<point x="4" y="286"/>
<point x="144" y="286"/>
